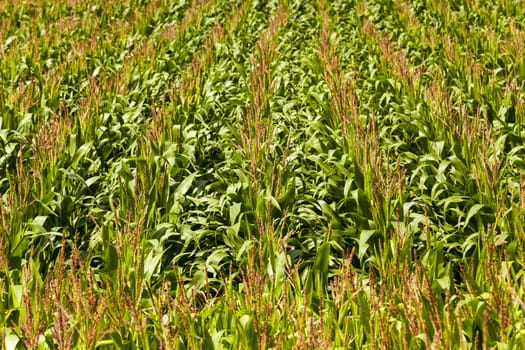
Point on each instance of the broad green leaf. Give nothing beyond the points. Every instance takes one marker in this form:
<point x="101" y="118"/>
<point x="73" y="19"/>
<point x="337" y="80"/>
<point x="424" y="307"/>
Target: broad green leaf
<point x="474" y="210"/>
<point x="235" y="210"/>
<point x="364" y="237"/>
<point x="11" y="340"/>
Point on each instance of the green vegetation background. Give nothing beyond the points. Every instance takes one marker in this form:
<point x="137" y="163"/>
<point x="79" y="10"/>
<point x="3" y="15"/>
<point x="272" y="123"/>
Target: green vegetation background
<point x="216" y="174"/>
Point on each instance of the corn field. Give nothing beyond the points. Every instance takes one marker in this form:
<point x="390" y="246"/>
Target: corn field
<point x="245" y="174"/>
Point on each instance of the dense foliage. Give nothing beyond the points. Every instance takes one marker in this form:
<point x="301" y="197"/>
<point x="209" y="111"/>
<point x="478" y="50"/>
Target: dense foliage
<point x="217" y="174"/>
